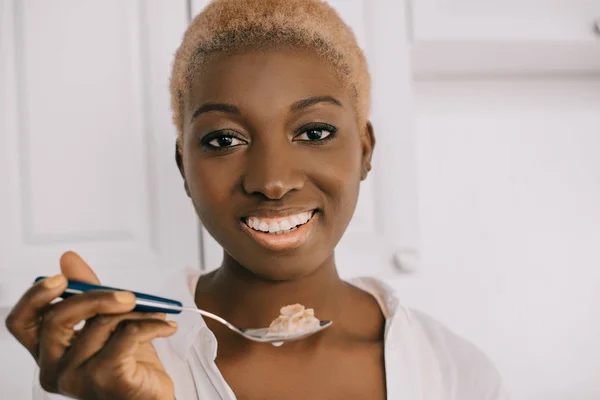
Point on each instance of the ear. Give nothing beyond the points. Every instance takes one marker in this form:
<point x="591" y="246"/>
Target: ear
<point x="367" y="141"/>
<point x="179" y="161"/>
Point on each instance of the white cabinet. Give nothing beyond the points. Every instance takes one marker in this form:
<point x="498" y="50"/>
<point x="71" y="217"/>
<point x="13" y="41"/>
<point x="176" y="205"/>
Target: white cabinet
<point x="87" y="144"/>
<point x="507" y="37"/>
<point x="384" y="228"/>
<point x="513" y="20"/>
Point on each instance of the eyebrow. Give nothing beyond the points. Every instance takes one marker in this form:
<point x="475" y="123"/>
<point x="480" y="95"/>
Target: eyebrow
<point x="297" y="106"/>
<point x="221" y="107"/>
<point x="302" y="104"/>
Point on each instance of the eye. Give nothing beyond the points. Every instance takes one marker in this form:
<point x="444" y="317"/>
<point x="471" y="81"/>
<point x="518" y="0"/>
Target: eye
<point x="220" y="141"/>
<point x="225" y="141"/>
<point x="316" y="133"/>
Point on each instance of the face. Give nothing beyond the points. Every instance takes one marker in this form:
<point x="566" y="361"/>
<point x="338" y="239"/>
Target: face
<point x="273" y="157"/>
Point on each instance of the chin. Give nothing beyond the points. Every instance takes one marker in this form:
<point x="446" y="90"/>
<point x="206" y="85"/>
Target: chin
<point x="281" y="267"/>
<point x="281" y="273"/>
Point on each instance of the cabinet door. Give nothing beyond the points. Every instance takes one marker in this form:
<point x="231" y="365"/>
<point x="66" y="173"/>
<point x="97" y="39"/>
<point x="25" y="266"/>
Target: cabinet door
<point x="87" y="144"/>
<point x="516" y="20"/>
<point x="461" y="36"/>
<point x="383" y="231"/>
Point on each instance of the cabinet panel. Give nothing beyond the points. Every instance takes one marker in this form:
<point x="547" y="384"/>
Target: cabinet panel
<point x="463" y="37"/>
<point x="68" y="125"/>
<point x="514" y="20"/>
<point x="87" y="143"/>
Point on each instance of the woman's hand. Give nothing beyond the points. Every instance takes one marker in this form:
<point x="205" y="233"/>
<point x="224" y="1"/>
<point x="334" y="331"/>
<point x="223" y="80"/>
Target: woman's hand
<point x="111" y="357"/>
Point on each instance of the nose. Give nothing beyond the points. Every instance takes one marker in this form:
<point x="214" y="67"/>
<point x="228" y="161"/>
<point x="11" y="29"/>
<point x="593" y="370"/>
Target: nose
<point x="272" y="171"/>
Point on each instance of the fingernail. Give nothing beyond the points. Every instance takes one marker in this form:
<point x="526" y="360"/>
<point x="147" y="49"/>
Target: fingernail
<point x="125" y="297"/>
<point x="172" y="323"/>
<point x="54" y="282"/>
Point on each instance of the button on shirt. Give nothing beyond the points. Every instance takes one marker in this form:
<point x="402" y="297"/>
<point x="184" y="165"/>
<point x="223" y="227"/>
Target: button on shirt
<point x="423" y="359"/>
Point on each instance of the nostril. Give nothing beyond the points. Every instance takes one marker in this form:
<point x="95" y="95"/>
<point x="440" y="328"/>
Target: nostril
<point x="272" y="173"/>
<point x="271" y="189"/>
<point x="276" y="190"/>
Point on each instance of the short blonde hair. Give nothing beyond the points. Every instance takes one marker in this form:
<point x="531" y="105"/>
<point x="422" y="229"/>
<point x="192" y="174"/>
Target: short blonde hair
<point x="230" y="26"/>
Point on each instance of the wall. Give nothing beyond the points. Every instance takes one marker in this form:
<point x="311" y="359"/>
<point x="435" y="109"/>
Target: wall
<point x="509" y="195"/>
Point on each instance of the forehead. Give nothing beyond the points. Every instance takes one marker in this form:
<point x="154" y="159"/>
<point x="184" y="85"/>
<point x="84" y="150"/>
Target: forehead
<point x="266" y="78"/>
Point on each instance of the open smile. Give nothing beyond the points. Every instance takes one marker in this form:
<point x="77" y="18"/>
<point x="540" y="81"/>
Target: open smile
<point x="280" y="233"/>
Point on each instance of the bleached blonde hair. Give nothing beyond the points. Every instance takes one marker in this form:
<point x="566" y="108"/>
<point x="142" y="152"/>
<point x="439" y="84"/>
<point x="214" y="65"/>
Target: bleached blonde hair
<point x="233" y="26"/>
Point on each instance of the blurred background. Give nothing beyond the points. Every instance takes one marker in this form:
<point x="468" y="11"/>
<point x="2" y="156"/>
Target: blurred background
<point x="482" y="209"/>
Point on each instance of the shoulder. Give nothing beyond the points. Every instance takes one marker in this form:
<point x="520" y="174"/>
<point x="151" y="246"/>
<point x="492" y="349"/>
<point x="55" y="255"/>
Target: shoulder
<point x="455" y="366"/>
<point x="464" y="368"/>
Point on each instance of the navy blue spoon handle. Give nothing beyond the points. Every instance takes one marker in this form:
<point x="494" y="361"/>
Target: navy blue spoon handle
<point x="144" y="302"/>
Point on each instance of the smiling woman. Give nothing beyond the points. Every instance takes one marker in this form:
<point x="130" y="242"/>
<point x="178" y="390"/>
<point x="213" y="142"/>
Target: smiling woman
<point x="270" y="100"/>
<point x="287" y="144"/>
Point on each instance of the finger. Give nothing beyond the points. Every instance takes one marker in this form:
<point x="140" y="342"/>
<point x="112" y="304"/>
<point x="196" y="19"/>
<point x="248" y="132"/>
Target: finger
<point x="23" y="322"/>
<point x="75" y="268"/>
<point x="123" y="362"/>
<point x="58" y="322"/>
<point x="96" y="333"/>
<point x="131" y="334"/>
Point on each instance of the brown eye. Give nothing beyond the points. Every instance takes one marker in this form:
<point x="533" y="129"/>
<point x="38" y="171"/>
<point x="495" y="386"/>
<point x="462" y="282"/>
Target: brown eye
<point x="223" y="141"/>
<point x="317" y="133"/>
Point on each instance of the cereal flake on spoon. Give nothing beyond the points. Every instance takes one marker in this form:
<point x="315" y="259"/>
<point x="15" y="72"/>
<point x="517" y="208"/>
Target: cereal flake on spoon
<point x="294" y="320"/>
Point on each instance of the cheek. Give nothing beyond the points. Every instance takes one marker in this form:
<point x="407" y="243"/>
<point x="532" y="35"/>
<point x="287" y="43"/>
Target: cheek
<point x="210" y="184"/>
<point x="346" y="163"/>
<point x="339" y="178"/>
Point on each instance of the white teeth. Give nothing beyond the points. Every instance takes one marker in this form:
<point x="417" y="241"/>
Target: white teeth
<point x="281" y="225"/>
<point x="273" y="227"/>
<point x="303" y="218"/>
<point x="263" y="226"/>
<point x="294" y="220"/>
<point x="285" y="225"/>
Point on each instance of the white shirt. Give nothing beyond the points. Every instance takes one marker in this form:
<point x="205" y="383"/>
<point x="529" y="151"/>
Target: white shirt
<point x="423" y="359"/>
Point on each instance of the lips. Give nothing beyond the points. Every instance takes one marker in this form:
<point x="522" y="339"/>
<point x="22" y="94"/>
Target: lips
<point x="280" y="231"/>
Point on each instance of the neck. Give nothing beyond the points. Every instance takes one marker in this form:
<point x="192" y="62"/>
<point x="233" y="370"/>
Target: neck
<point x="248" y="300"/>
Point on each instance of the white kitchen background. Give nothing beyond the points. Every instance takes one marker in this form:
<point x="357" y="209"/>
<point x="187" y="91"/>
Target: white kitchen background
<point x="483" y="209"/>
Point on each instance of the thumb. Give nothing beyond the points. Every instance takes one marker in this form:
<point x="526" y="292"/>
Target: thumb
<point x="73" y="267"/>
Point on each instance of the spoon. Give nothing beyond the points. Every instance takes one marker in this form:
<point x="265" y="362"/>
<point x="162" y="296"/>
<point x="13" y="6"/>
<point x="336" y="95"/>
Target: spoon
<point x="148" y="303"/>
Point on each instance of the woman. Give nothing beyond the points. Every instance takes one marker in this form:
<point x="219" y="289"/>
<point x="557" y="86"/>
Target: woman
<point x="271" y="101"/>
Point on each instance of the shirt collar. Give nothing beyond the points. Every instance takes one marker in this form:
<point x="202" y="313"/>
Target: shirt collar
<point x="383" y="293"/>
<point x="190" y="325"/>
<point x="400" y="351"/>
